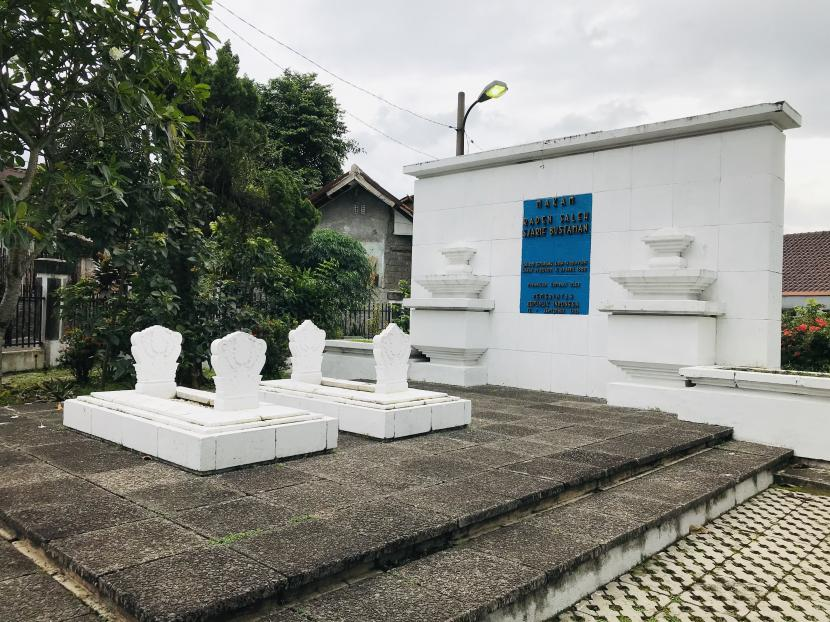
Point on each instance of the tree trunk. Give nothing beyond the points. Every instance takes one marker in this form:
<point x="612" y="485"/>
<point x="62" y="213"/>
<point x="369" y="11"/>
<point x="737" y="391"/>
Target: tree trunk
<point x="18" y="260"/>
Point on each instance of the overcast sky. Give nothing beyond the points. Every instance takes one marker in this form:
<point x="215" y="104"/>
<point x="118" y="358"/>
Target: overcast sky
<point x="572" y="66"/>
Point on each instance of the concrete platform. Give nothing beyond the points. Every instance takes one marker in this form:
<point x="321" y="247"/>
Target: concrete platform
<point x="188" y="432"/>
<point x="360" y="410"/>
<point x="536" y="486"/>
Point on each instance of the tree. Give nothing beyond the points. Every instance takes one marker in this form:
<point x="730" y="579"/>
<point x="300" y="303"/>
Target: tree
<point x="305" y="128"/>
<point x="75" y="75"/>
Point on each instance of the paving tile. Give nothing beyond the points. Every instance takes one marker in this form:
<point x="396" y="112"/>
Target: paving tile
<point x="38" y="598"/>
<point x="194" y="585"/>
<point x="481" y="583"/>
<point x="487" y="455"/>
<point x="85" y="457"/>
<point x="308" y="550"/>
<point x="26" y="473"/>
<point x="319" y="496"/>
<point x="534" y="545"/>
<point x="47" y="489"/>
<point x="619" y="601"/>
<point x="524" y="447"/>
<point x="14" y="564"/>
<point x="28" y="433"/>
<point x="463" y="500"/>
<point x="441" y="468"/>
<point x="562" y="438"/>
<point x="220" y="520"/>
<point x="387" y="453"/>
<point x="10" y="457"/>
<point x="519" y="486"/>
<point x="448" y="441"/>
<point x="381" y="599"/>
<point x="169" y="498"/>
<point x="497" y="416"/>
<point x="568" y="473"/>
<point x="149" y="474"/>
<point x="512" y="430"/>
<point x="586" y="455"/>
<point x="74" y="516"/>
<point x="392" y="523"/>
<point x="101" y="551"/>
<point x="257" y="479"/>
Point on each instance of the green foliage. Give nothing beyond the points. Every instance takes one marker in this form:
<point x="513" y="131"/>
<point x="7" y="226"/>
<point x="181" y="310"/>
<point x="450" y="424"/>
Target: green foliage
<point x="58" y="389"/>
<point x="805" y="338"/>
<point x="336" y="276"/>
<point x="81" y="84"/>
<point x="305" y="128"/>
<point x="80" y="353"/>
<point x="402" y="317"/>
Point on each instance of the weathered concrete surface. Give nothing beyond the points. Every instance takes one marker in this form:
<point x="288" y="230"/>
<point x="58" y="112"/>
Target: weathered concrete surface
<point x="165" y="544"/>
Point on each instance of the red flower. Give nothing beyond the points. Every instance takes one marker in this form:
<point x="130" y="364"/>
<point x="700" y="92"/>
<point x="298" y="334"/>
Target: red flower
<point x="821" y="322"/>
<point x="814" y="328"/>
<point x="801" y="327"/>
<point x="788" y="332"/>
<point x="796" y="353"/>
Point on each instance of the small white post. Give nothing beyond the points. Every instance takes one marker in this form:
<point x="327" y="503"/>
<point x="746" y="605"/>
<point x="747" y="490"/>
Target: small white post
<point x="156" y="352"/>
<point x="391" y="350"/>
<point x="237" y="359"/>
<point x="307" y="343"/>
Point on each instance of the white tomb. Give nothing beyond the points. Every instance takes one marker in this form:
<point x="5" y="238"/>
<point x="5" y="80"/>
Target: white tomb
<point x="386" y="410"/>
<point x="200" y="430"/>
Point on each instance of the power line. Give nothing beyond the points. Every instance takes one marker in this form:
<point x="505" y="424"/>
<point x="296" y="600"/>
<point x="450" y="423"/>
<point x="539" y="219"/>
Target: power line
<point x="331" y="73"/>
<point x="355" y="117"/>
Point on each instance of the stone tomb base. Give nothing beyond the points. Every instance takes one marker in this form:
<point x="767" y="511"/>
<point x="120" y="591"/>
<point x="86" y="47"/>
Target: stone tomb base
<point x="188" y="432"/>
<point x="360" y="410"/>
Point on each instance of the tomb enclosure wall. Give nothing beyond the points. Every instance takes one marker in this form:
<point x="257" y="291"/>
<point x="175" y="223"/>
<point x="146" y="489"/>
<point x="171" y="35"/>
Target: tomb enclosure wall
<point x="718" y="177"/>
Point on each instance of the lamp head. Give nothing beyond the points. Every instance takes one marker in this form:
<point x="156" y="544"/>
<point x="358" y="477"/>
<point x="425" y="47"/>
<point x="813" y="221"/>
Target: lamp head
<point x="494" y="90"/>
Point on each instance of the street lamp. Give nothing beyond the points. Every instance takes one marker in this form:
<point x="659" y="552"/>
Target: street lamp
<point x="494" y="90"/>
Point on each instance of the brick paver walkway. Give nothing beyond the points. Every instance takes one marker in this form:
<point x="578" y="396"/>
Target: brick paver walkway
<point x="768" y="559"/>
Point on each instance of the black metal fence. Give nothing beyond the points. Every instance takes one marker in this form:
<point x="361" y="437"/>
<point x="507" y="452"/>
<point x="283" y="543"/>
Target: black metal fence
<point x="370" y="320"/>
<point x="26" y="328"/>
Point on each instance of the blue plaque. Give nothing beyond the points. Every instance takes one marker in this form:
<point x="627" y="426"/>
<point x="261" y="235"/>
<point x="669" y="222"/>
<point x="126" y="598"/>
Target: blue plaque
<point x="556" y="255"/>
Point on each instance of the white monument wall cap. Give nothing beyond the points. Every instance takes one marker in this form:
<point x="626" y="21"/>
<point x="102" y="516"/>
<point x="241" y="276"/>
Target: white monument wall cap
<point x="778" y="114"/>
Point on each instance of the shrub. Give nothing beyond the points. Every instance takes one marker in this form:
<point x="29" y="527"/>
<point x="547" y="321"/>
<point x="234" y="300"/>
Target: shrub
<point x="80" y="353"/>
<point x="805" y="338"/>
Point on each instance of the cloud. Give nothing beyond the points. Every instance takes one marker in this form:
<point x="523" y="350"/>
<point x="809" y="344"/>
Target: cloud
<point x="572" y="67"/>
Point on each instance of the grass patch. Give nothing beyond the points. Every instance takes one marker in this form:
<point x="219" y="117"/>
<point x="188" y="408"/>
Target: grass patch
<point x="235" y="537"/>
<point x="34" y="386"/>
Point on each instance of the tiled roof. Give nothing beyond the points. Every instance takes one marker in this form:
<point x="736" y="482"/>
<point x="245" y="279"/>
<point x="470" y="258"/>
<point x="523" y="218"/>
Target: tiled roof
<point x="355" y="175"/>
<point x="807" y="263"/>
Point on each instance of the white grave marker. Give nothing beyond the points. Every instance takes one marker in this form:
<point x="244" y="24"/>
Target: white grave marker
<point x="307" y="343"/>
<point x="237" y="359"/>
<point x="391" y="350"/>
<point x="156" y="352"/>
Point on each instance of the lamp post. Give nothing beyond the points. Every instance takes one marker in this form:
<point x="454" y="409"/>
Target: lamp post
<point x="494" y="90"/>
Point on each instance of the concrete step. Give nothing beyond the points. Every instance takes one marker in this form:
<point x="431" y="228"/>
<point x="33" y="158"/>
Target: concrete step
<point x="422" y="496"/>
<point x="811" y="476"/>
<point x="530" y="568"/>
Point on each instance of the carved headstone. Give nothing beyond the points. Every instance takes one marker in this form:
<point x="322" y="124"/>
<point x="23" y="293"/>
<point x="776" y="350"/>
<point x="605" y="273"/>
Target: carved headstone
<point x="237" y="360"/>
<point x="307" y="343"/>
<point x="391" y="350"/>
<point x="156" y="352"/>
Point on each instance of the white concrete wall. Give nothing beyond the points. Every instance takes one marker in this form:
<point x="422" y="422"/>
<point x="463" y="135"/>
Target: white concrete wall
<point x="725" y="188"/>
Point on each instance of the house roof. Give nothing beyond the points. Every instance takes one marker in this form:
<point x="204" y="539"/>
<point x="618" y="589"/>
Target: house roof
<point x="807" y="264"/>
<point x="355" y="175"/>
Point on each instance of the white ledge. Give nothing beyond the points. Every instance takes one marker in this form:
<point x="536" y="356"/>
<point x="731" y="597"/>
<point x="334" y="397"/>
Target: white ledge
<point x="663" y="307"/>
<point x="778" y="114"/>
<point x="450" y="304"/>
<point x="348" y="344"/>
<point x="779" y="382"/>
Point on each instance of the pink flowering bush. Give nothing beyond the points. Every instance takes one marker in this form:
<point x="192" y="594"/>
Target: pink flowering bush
<point x="805" y="338"/>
